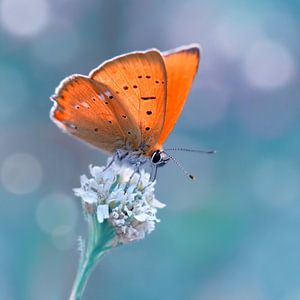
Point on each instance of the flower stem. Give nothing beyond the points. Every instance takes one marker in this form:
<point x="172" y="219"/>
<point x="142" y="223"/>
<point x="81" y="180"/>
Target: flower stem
<point x="98" y="237"/>
<point x="82" y="277"/>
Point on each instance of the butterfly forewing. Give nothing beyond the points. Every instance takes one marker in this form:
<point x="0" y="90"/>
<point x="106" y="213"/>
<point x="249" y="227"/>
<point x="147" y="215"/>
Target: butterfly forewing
<point x="139" y="79"/>
<point x="181" y="65"/>
<point x="94" y="113"/>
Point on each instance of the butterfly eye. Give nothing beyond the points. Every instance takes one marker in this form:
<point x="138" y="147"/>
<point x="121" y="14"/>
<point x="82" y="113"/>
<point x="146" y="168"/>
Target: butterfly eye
<point x="156" y="157"/>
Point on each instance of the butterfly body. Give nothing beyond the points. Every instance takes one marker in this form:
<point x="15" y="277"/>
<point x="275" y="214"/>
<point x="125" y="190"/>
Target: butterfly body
<point x="129" y="104"/>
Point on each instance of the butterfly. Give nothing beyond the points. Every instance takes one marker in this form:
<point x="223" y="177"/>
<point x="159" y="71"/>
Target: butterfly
<point x="129" y="104"/>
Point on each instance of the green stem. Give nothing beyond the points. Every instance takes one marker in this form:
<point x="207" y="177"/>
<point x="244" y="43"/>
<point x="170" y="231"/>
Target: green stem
<point x="98" y="237"/>
<point x="83" y="274"/>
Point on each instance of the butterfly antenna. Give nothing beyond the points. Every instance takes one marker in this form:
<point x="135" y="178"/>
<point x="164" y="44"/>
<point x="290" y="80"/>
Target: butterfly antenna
<point x="179" y="166"/>
<point x="192" y="150"/>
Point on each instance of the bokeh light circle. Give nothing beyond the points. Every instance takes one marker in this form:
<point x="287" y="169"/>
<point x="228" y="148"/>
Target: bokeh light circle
<point x="21" y="173"/>
<point x="268" y="65"/>
<point x="232" y="36"/>
<point x="227" y="289"/>
<point x="24" y="17"/>
<point x="56" y="214"/>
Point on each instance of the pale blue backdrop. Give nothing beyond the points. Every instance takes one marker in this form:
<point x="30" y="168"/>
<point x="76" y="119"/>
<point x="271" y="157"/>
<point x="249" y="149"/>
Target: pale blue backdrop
<point x="234" y="234"/>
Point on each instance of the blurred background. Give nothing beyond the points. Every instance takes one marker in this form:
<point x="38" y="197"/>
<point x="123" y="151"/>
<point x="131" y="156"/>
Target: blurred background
<point x="231" y="235"/>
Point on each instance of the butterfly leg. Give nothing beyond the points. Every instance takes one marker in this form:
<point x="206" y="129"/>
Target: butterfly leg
<point x="140" y="176"/>
<point x="153" y="173"/>
<point x="118" y="156"/>
<point x="135" y="171"/>
<point x="110" y="163"/>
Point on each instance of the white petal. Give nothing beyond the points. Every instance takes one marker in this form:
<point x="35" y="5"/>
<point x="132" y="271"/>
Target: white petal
<point x="131" y="197"/>
<point x="100" y="188"/>
<point x="135" y="178"/>
<point x="106" y="187"/>
<point x="157" y="204"/>
<point x="83" y="180"/>
<point x="96" y="172"/>
<point x="89" y="197"/>
<point x="150" y="226"/>
<point x="131" y="189"/>
<point x="118" y="196"/>
<point x="125" y="174"/>
<point x="102" y="212"/>
<point x="94" y="185"/>
<point x="141" y="217"/>
<point x="78" y="191"/>
<point x="145" y="177"/>
<point x="108" y="175"/>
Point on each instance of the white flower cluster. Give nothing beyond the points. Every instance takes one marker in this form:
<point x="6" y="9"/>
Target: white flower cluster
<point x="123" y="198"/>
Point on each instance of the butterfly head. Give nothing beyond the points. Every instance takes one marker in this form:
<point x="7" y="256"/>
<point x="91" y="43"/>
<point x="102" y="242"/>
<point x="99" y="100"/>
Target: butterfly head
<point x="159" y="158"/>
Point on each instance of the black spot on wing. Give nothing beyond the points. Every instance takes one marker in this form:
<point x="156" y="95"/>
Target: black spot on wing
<point x="148" y="98"/>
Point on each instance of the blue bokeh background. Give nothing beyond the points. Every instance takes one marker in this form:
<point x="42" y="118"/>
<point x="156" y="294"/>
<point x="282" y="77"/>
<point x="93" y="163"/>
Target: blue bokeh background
<point x="231" y="235"/>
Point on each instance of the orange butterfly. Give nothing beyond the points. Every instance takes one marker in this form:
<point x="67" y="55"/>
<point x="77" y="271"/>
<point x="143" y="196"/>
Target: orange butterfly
<point x="129" y="104"/>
